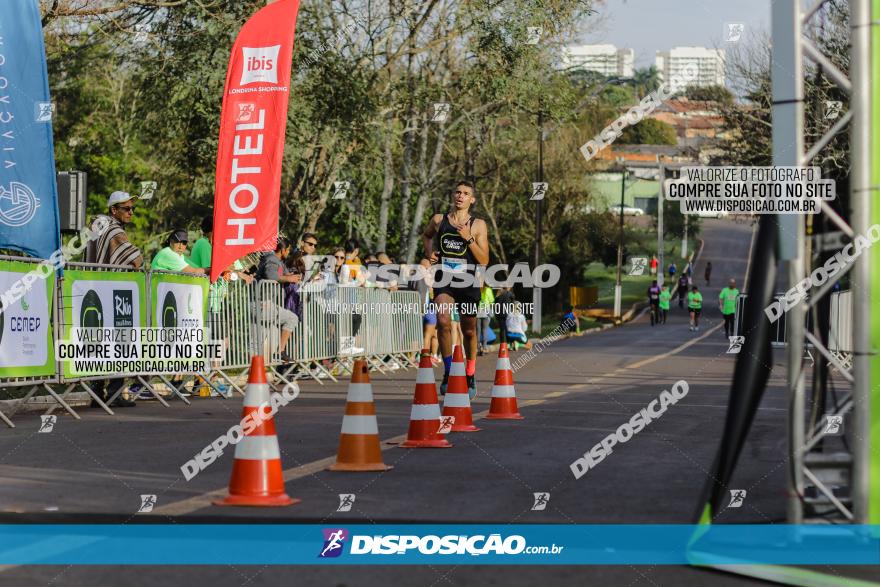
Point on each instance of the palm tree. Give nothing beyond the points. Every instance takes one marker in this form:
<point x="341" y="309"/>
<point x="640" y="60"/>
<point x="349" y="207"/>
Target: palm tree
<point x="645" y="81"/>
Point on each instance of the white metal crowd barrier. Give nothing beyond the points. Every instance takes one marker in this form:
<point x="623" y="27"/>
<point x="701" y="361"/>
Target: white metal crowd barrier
<point x="336" y="325"/>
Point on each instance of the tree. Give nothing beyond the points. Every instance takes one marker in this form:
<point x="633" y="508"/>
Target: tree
<point x="648" y="131"/>
<point x="645" y="81"/>
<point x="709" y="94"/>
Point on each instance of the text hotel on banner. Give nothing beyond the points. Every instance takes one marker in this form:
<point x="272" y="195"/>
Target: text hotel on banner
<point x="252" y="127"/>
<point x="28" y="193"/>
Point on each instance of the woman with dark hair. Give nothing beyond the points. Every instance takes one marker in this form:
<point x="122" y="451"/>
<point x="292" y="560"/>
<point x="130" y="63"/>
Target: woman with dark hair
<point x="296" y="265"/>
<point x="352" y="275"/>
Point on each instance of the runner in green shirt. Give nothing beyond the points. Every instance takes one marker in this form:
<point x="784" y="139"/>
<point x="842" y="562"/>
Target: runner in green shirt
<point x="665" y="296"/>
<point x="695" y="306"/>
<point x="727" y="305"/>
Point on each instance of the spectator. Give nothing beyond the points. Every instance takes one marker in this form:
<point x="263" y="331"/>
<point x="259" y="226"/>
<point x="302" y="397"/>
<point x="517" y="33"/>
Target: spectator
<point x="296" y="265"/>
<point x="352" y="275"/>
<point x="113" y="248"/>
<point x="219" y="290"/>
<point x="202" y="249"/>
<point x="339" y="256"/>
<point x="569" y="320"/>
<point x="307" y="244"/>
<point x="271" y="268"/>
<point x="171" y="258"/>
<point x="654" y="263"/>
<point x="517" y="326"/>
<point x="422" y="284"/>
<point x="503" y="302"/>
<point x="381" y="280"/>
<point x="487" y="298"/>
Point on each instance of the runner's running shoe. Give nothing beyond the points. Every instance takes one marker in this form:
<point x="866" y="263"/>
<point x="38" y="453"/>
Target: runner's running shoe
<point x="472" y="386"/>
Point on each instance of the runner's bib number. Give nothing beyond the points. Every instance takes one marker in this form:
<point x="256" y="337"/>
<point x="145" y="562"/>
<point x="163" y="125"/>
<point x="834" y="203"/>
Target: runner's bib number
<point x="454" y="265"/>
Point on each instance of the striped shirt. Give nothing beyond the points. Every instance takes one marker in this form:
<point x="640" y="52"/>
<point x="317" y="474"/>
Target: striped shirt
<point x="113" y="247"/>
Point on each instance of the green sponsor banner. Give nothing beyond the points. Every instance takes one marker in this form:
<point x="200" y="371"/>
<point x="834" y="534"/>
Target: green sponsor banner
<point x="26" y="348"/>
<point x="179" y="301"/>
<point x="102" y="299"/>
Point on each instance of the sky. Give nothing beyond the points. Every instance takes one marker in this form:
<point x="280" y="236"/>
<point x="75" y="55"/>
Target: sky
<point x="647" y="26"/>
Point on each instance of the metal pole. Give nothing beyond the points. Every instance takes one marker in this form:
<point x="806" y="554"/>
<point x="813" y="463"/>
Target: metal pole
<point x="660" y="241"/>
<point x="618" y="287"/>
<point x="863" y="214"/>
<point x="536" y="291"/>
<point x="787" y="115"/>
<point x="684" y="239"/>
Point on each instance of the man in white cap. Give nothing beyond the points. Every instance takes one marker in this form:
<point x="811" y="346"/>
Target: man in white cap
<point x="112" y="247"/>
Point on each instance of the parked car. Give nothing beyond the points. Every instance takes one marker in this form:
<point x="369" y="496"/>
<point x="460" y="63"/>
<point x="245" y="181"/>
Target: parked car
<point x="702" y="214"/>
<point x="627" y="210"/>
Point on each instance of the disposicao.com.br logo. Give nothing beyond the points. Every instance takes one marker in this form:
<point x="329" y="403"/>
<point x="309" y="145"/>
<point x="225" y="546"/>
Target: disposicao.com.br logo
<point x="450" y="544"/>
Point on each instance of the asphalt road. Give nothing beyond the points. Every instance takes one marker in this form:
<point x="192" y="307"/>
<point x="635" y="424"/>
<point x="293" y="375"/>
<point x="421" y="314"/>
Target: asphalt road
<point x="572" y="395"/>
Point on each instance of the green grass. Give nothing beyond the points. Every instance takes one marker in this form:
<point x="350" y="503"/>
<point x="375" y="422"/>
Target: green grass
<point x="635" y="287"/>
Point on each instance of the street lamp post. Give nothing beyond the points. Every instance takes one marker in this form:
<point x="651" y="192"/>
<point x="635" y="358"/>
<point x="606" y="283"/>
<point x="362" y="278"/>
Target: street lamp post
<point x="660" y="244"/>
<point x="618" y="287"/>
<point x="536" y="291"/>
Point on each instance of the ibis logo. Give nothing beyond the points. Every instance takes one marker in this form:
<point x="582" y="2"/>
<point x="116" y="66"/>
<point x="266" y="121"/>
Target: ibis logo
<point x="91" y="313"/>
<point x="169" y="311"/>
<point x="260" y="65"/>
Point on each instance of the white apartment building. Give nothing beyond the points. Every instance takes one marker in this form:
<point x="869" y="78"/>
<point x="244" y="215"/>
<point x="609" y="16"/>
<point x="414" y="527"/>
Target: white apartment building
<point x="605" y="59"/>
<point x="709" y="63"/>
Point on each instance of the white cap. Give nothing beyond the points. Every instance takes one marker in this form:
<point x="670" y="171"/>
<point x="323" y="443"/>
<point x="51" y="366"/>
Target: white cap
<point x="118" y="198"/>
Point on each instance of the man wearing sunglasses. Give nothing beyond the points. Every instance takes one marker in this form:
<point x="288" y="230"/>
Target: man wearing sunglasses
<point x="171" y="257"/>
<point x="113" y="248"/>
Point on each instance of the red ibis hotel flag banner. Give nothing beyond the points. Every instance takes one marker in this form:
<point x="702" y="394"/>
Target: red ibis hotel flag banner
<point x="252" y="126"/>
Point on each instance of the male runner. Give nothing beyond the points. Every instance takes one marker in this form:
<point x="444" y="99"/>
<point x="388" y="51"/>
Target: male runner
<point x="665" y="296"/>
<point x="462" y="243"/>
<point x="654" y="301"/>
<point x="695" y="307"/>
<point x="727" y="305"/>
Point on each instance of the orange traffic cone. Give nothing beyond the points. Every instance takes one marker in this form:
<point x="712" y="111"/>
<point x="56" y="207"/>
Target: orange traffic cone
<point x="256" y="473"/>
<point x="424" y="419"/>
<point x="503" y="406"/>
<point x="457" y="401"/>
<point x="359" y="441"/>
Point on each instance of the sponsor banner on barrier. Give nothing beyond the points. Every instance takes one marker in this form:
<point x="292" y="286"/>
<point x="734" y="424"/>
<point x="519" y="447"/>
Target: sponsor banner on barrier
<point x="26" y="348"/>
<point x="179" y="301"/>
<point x="101" y="299"/>
<point x="438" y="544"/>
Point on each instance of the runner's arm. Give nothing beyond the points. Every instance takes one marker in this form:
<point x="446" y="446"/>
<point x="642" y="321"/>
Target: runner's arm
<point x="480" y="245"/>
<point x="428" y="237"/>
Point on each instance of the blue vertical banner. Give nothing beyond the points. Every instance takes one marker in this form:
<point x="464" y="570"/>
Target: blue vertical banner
<point x="28" y="192"/>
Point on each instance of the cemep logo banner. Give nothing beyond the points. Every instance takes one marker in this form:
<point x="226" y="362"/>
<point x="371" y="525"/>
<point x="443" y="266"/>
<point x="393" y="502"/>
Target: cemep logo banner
<point x="28" y="194"/>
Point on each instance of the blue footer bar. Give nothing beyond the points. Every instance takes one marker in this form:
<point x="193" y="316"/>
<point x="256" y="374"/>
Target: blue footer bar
<point x="525" y="544"/>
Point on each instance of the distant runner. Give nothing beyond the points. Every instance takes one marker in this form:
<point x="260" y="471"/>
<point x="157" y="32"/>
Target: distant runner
<point x="727" y="304"/>
<point x="665" y="296"/>
<point x="654" y="301"/>
<point x="683" y="283"/>
<point x="462" y="243"/>
<point x="695" y="306"/>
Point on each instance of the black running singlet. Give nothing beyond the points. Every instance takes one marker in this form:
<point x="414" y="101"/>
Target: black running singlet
<point x="454" y="251"/>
